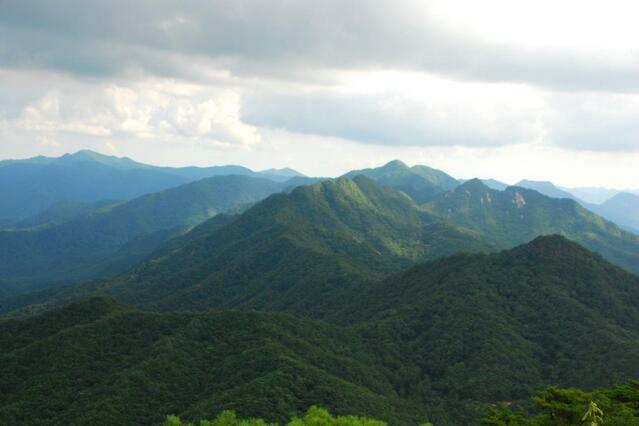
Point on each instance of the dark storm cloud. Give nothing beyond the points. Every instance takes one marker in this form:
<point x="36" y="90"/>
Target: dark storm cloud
<point x="284" y="38"/>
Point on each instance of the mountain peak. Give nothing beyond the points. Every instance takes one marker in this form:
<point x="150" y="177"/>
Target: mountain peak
<point x="87" y="155"/>
<point x="396" y="164"/>
<point x="473" y="185"/>
<point x="286" y="172"/>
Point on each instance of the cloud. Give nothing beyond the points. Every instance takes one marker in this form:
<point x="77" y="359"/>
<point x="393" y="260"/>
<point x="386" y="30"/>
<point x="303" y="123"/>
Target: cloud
<point x="288" y="38"/>
<point x="592" y="121"/>
<point x="427" y="112"/>
<point x="291" y="82"/>
<point x="148" y="109"/>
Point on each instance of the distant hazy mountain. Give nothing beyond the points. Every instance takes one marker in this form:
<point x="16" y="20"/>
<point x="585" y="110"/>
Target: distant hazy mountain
<point x="418" y="182"/>
<point x="592" y="195"/>
<point x="110" y="239"/>
<point x="517" y="215"/>
<point x="622" y="209"/>
<point x="28" y="187"/>
<point x="63" y="211"/>
<point x="491" y="183"/>
<point x="546" y="188"/>
<point x="437" y="342"/>
<point x="286" y="172"/>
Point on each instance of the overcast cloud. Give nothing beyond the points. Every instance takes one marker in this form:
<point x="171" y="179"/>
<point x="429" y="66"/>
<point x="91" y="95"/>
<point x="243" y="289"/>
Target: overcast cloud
<point x="238" y="80"/>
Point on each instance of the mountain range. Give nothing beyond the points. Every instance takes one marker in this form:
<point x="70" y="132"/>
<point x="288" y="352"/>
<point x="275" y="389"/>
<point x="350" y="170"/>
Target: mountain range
<point x="395" y="292"/>
<point x="28" y="187"/>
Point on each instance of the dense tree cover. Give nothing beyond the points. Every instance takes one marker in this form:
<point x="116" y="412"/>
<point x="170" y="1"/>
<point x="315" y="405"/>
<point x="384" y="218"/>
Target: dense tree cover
<point x="616" y="406"/>
<point x="436" y="342"/>
<point x="97" y="362"/>
<point x="111" y="239"/>
<point x="517" y="215"/>
<point x="497" y="327"/>
<point x="314" y="417"/>
<point x="420" y="183"/>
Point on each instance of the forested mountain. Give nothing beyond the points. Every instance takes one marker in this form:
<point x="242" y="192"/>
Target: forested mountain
<point x="496" y="327"/>
<point x="316" y="241"/>
<point x="109" y="240"/>
<point x="28" y="187"/>
<point x="418" y="182"/>
<point x="621" y="208"/>
<point x="516" y="215"/>
<point x="375" y="295"/>
<point x="436" y="343"/>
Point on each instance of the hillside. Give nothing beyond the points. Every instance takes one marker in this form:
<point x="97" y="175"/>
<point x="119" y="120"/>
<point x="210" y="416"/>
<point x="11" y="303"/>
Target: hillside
<point x="311" y="244"/>
<point x="437" y="342"/>
<point x="112" y="239"/>
<point x="516" y="215"/>
<point x="420" y="183"/>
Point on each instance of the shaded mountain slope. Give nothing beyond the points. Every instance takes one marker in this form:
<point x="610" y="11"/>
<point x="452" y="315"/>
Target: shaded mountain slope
<point x="84" y="248"/>
<point x="63" y="211"/>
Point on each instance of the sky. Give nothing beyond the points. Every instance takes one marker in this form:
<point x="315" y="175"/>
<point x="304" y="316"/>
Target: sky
<point x="509" y="90"/>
